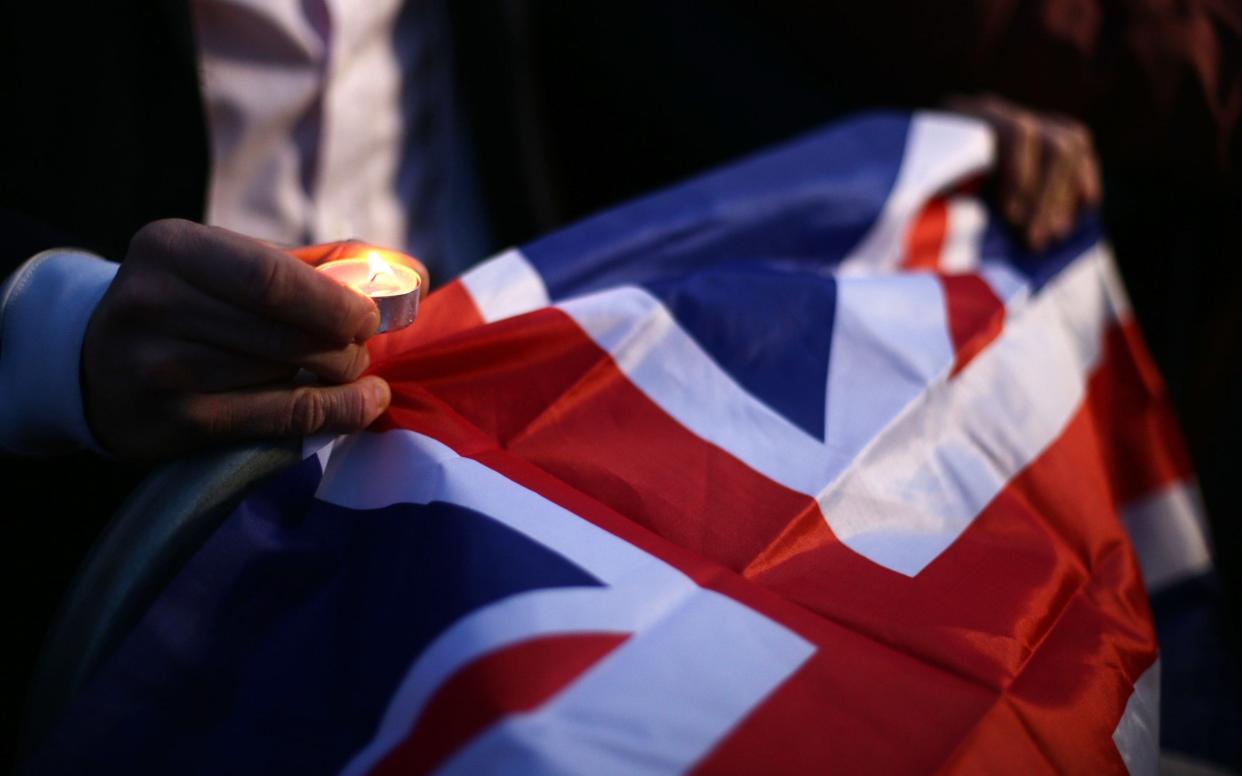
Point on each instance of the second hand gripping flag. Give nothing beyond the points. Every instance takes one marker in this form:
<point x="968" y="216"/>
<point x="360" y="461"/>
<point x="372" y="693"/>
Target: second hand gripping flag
<point x="802" y="465"/>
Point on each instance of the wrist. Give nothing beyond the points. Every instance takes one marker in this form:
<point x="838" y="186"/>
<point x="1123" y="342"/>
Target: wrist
<point x="45" y="307"/>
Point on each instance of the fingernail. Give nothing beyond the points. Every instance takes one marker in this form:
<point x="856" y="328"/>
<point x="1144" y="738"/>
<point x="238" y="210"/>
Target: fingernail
<point x="372" y="325"/>
<point x="381" y="393"/>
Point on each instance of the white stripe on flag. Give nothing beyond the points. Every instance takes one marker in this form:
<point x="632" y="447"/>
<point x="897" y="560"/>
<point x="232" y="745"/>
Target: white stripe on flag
<point x="941" y="149"/>
<point x="1010" y="287"/>
<point x="890" y="340"/>
<point x="898" y="480"/>
<point x="1137" y="736"/>
<point x="675" y="372"/>
<point x="964" y="234"/>
<point x="694" y="688"/>
<point x="504" y="286"/>
<point x="923" y="479"/>
<point x="374" y="470"/>
<point x="655" y="705"/>
<point x="1169" y="535"/>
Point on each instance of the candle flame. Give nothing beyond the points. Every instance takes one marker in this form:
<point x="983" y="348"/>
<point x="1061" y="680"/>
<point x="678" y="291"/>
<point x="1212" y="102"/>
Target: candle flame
<point x="377" y="266"/>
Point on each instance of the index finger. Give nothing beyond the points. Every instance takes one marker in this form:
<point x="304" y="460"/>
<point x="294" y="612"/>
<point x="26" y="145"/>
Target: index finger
<point x="1020" y="163"/>
<point x="267" y="281"/>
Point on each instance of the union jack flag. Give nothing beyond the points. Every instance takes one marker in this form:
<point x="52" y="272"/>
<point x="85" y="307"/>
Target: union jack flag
<point x="801" y="464"/>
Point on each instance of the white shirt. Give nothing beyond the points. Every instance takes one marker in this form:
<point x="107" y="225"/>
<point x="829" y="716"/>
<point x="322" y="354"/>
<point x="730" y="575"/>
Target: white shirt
<point x="329" y="119"/>
<point x="332" y="119"/>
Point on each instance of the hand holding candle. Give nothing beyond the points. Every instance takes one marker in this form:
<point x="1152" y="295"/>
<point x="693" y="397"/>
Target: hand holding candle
<point x="199" y="337"/>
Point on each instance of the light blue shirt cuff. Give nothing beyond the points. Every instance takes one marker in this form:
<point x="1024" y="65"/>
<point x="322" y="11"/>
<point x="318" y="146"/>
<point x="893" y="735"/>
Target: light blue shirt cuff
<point x="44" y="309"/>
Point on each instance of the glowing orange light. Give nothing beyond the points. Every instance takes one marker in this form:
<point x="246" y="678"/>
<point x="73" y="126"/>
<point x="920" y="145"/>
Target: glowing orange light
<point x="378" y="266"/>
<point x="392" y="286"/>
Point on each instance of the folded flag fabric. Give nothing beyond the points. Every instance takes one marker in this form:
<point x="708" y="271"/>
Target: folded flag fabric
<point x="801" y="465"/>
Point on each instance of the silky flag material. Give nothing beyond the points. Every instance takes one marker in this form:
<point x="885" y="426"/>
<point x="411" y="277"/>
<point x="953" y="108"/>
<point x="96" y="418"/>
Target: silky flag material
<point x="802" y="465"/>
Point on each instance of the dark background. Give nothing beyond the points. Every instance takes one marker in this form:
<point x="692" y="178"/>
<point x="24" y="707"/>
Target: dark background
<point x="574" y="106"/>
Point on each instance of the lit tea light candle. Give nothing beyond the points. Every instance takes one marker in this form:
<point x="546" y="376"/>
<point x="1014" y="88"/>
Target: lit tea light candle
<point x="393" y="287"/>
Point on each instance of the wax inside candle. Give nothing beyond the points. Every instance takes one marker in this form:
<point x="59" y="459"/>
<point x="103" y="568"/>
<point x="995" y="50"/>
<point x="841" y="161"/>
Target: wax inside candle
<point x="372" y="276"/>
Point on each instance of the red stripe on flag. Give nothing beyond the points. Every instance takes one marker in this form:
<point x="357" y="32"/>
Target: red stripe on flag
<point x="1132" y="410"/>
<point x="505" y="376"/>
<point x="645" y="465"/>
<point x="975" y="314"/>
<point x="542" y="389"/>
<point x="1039" y="601"/>
<point x="508" y="681"/>
<point x="857" y="706"/>
<point x="1038" y="606"/>
<point x="926" y="236"/>
<point x="445" y="312"/>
